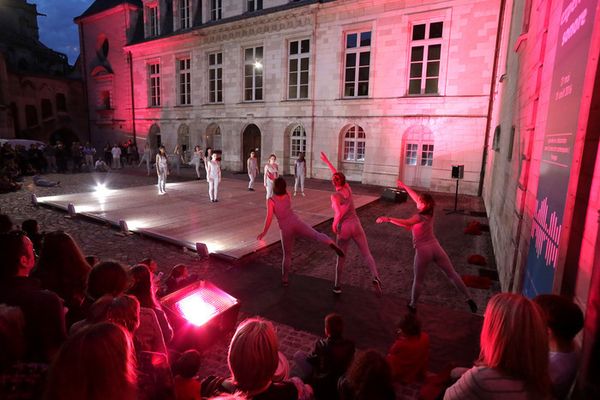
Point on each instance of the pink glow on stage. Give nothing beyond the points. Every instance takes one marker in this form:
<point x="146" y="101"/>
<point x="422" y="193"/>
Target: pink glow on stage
<point x="195" y="310"/>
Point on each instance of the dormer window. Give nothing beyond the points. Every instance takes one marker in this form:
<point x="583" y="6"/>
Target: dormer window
<point x="185" y="14"/>
<point x="152" y="20"/>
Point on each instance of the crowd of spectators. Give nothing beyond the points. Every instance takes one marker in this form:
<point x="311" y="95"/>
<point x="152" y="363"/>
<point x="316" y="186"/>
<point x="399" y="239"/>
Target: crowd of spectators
<point x="77" y="327"/>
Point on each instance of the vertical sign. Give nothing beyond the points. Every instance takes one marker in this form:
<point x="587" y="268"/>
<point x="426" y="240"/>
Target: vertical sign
<point x="573" y="43"/>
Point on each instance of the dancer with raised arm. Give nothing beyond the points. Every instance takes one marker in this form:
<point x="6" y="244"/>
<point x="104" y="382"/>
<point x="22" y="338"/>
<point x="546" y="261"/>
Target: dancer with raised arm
<point x="427" y="247"/>
<point x="346" y="226"/>
<point x="162" y="169"/>
<point x="213" y="177"/>
<point x="291" y="226"/>
<point x="252" y="166"/>
<point x="299" y="173"/>
<point x="197" y="159"/>
<point x="271" y="173"/>
<point x="146" y="157"/>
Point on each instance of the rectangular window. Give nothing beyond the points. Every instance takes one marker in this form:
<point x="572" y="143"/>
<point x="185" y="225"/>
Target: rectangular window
<point x="299" y="60"/>
<point x="425" y="58"/>
<point x="216" y="10"/>
<point x="215" y="78"/>
<point x="185" y="81"/>
<point x="153" y="20"/>
<point x="253" y="74"/>
<point x="357" y="64"/>
<point x="154" y="84"/>
<point x="185" y="12"/>
<point x="254" y="5"/>
<point x="411" y="153"/>
<point x="427" y="155"/>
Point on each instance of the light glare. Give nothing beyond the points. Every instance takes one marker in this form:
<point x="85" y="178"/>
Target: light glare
<point x="195" y="310"/>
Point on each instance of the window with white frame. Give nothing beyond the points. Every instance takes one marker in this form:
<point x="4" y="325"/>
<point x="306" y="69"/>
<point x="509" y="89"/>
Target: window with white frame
<point x="185" y="81"/>
<point x="425" y="58"/>
<point x="253" y="74"/>
<point x="153" y="20"/>
<point x="427" y="155"/>
<point x="185" y="12"/>
<point x="215" y="78"/>
<point x="357" y="64"/>
<point x="298" y="142"/>
<point x="410" y="157"/>
<point x="154" y="84"/>
<point x="216" y="9"/>
<point x="299" y="60"/>
<point x="254" y="5"/>
<point x="355" y="144"/>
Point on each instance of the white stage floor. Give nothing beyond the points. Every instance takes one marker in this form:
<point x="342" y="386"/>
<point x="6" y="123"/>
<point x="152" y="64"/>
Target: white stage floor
<point x="185" y="216"/>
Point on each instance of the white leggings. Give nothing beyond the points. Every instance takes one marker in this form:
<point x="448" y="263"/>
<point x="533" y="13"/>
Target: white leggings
<point x="162" y="180"/>
<point x="299" y="180"/>
<point x="269" y="187"/>
<point x="290" y="229"/>
<point x="145" y="159"/>
<point x="424" y="254"/>
<point x="351" y="229"/>
<point x="213" y="188"/>
<point x="251" y="183"/>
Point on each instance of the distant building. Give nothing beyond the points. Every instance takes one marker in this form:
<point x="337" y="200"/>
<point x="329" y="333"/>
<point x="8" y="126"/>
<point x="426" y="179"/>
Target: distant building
<point x="389" y="89"/>
<point x="41" y="96"/>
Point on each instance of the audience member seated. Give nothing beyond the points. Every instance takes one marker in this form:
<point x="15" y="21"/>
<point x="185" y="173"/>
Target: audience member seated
<point x="368" y="377"/>
<point x="178" y="278"/>
<point x="409" y="355"/>
<point x="6" y="223"/>
<point x="142" y="288"/>
<point x="564" y="320"/>
<point x="43" y="310"/>
<point x="513" y="363"/>
<point x="253" y="359"/>
<point x="39" y="180"/>
<point x="106" y="278"/>
<point x="123" y="310"/>
<point x="185" y="369"/>
<point x="62" y="269"/>
<point x="153" y="267"/>
<point x="97" y="363"/>
<point x="32" y="230"/>
<point x="329" y="360"/>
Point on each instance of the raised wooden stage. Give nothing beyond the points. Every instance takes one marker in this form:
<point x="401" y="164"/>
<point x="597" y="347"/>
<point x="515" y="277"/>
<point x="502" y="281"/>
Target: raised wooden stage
<point x="185" y="216"/>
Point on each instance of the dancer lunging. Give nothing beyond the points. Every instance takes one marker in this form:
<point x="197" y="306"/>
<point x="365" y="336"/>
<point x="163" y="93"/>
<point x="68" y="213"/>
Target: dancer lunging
<point x="271" y="173"/>
<point x="291" y="226"/>
<point x="299" y="173"/>
<point x="252" y="166"/>
<point x="162" y="169"/>
<point x="347" y="227"/>
<point x="213" y="177"/>
<point x="427" y="247"/>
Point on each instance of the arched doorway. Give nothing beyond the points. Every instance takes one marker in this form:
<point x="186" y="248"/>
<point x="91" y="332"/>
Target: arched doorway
<point x="154" y="137"/>
<point x="250" y="142"/>
<point x="183" y="140"/>
<point x="417" y="156"/>
<point x="213" y="137"/>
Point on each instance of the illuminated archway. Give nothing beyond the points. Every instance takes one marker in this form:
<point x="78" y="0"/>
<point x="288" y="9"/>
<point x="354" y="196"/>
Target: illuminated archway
<point x="251" y="141"/>
<point x="154" y="137"/>
<point x="416" y="160"/>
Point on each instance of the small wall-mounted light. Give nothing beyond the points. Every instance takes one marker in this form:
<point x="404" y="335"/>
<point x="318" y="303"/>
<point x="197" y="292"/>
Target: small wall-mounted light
<point x="202" y="250"/>
<point x="71" y="210"/>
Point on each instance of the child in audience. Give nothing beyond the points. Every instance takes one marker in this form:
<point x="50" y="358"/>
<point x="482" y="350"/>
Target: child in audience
<point x="409" y="355"/>
<point x="368" y="378"/>
<point x="564" y="320"/>
<point x="123" y="310"/>
<point x="513" y="362"/>
<point x="106" y="278"/>
<point x="185" y="369"/>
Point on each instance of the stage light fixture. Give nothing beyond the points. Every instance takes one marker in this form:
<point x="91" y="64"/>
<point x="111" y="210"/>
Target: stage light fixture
<point x="202" y="250"/>
<point x="71" y="210"/>
<point x="201" y="314"/>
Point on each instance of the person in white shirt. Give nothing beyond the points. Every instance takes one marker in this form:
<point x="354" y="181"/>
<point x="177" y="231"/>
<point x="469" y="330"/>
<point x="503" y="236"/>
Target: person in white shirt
<point x="146" y="157"/>
<point x="116" y="157"/>
<point x="162" y="169"/>
<point x="197" y="159"/>
<point x="252" y="165"/>
<point x="271" y="173"/>
<point x="213" y="177"/>
<point x="299" y="173"/>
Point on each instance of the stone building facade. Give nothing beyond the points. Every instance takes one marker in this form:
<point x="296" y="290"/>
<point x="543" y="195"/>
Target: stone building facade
<point x="389" y="89"/>
<point x="41" y="95"/>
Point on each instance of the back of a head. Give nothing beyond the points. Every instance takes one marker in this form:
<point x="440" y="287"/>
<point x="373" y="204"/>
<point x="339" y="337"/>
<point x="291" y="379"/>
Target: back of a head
<point x="562" y="315"/>
<point x="107" y="277"/>
<point x="97" y="362"/>
<point x="30" y="226"/>
<point x="60" y="254"/>
<point x="125" y="311"/>
<point x="12" y="331"/>
<point x="6" y="223"/>
<point x="334" y="325"/>
<point x="514" y="340"/>
<point x="142" y="286"/>
<point x="339" y="179"/>
<point x="253" y="354"/>
<point x="279" y="186"/>
<point x="188" y="364"/>
<point x="370" y="376"/>
<point x="12" y="248"/>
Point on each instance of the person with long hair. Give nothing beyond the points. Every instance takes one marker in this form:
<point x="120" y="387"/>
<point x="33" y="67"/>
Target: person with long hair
<point x="162" y="169"/>
<point x="299" y="174"/>
<point x="146" y="157"/>
<point x="63" y="269"/>
<point x="513" y="362"/>
<point x="142" y="287"/>
<point x="96" y="363"/>
<point x="197" y="159"/>
<point x="368" y="377"/>
<point x="252" y="166"/>
<point x="427" y="247"/>
<point x="291" y="226"/>
<point x="213" y="177"/>
<point x="347" y="227"/>
<point x="271" y="172"/>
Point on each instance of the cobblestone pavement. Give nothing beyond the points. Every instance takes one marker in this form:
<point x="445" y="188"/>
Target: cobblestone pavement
<point x="390" y="245"/>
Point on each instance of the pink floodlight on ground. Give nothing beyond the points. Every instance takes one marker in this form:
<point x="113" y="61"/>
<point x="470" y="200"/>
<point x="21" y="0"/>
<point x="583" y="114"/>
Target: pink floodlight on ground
<point x="195" y="309"/>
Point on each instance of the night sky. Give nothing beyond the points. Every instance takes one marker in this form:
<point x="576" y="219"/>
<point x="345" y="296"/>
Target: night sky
<point x="57" y="29"/>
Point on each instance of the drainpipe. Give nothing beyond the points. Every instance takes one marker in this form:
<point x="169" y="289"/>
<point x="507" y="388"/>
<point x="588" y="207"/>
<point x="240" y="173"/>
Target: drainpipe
<point x="313" y="91"/>
<point x="85" y="78"/>
<point x="130" y="61"/>
<point x="493" y="86"/>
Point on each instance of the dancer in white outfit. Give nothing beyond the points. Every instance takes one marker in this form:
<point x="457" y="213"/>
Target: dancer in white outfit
<point x="427" y="247"/>
<point x="213" y="177"/>
<point x="299" y="173"/>
<point x="197" y="160"/>
<point x="146" y="157"/>
<point x="271" y="173"/>
<point x="162" y="169"/>
<point x="347" y="227"/>
<point x="252" y="166"/>
<point x="178" y="158"/>
<point x="291" y="226"/>
<point x="116" y="157"/>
